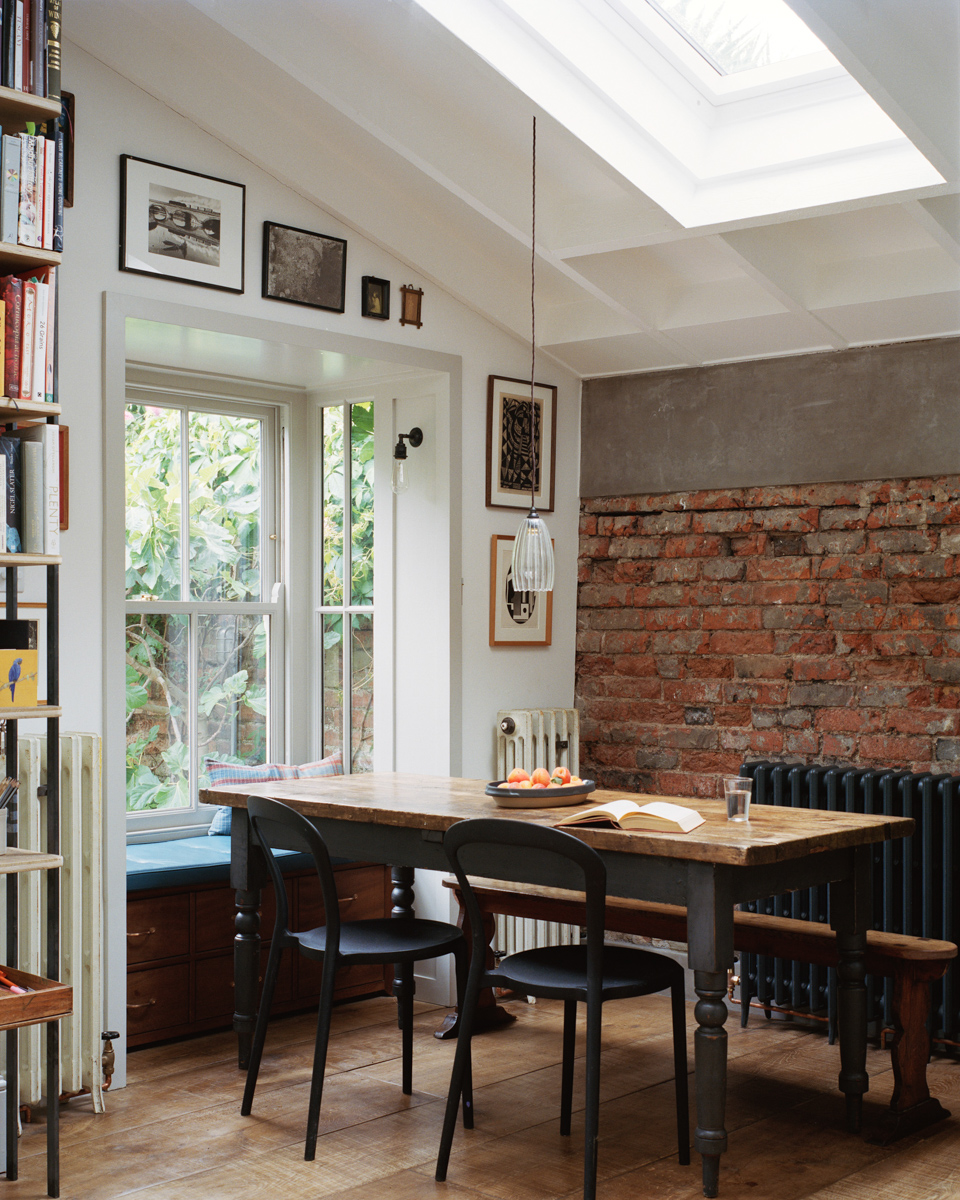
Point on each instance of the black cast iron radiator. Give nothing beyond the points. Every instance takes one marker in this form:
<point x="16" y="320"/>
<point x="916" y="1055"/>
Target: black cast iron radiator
<point x="914" y="884"/>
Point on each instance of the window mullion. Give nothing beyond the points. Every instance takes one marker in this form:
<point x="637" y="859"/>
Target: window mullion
<point x="347" y="641"/>
<point x="184" y="504"/>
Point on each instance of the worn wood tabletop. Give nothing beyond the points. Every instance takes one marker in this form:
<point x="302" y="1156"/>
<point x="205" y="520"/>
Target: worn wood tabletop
<point x="431" y="802"/>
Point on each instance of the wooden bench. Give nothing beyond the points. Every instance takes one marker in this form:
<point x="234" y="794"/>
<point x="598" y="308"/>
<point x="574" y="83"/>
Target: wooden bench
<point x="912" y="962"/>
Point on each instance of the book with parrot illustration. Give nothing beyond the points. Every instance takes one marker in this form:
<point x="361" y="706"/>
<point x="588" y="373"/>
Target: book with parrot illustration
<point x="18" y="664"/>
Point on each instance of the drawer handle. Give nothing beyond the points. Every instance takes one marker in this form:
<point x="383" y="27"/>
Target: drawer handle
<point x="145" y="933"/>
<point x="348" y="899"/>
<point x="146" y="1004"/>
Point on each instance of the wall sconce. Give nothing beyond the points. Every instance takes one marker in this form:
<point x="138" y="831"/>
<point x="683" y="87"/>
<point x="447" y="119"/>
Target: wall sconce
<point x="415" y="438"/>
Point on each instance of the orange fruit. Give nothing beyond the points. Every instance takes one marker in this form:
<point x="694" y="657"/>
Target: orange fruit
<point x="524" y="783"/>
<point x="534" y="786"/>
<point x="562" y="774"/>
<point x="517" y="775"/>
<point x="541" y="775"/>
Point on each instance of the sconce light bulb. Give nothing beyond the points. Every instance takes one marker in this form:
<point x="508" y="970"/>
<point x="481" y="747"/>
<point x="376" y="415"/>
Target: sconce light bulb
<point x="400" y="481"/>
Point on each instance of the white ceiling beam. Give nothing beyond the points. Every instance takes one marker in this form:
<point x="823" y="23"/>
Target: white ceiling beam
<point x="941" y="219"/>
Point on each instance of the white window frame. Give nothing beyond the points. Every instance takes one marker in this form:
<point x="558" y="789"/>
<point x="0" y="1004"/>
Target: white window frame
<point x="346" y="610"/>
<point x="195" y="816"/>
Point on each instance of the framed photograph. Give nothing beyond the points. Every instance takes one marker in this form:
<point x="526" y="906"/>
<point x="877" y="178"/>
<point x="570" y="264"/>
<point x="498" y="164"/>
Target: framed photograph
<point x="375" y="298"/>
<point x="508" y="443"/>
<point x="179" y="225"/>
<point x="516" y="618"/>
<point x="303" y="267"/>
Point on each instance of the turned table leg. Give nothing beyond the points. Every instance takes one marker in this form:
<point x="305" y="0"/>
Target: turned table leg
<point x="489" y="1014"/>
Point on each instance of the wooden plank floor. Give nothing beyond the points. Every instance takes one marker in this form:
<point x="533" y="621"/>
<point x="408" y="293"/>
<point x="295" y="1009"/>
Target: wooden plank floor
<point x="175" y="1132"/>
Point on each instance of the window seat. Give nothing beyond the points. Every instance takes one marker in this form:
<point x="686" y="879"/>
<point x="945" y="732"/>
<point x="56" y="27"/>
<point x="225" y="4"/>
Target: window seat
<point x="188" y="861"/>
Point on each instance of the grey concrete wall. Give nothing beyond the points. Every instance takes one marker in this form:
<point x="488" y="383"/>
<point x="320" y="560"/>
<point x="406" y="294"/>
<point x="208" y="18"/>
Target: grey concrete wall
<point x="883" y="412"/>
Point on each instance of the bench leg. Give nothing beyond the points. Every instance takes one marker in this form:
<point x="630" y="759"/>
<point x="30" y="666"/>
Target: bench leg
<point x="911" y="1107"/>
<point x="489" y="1014"/>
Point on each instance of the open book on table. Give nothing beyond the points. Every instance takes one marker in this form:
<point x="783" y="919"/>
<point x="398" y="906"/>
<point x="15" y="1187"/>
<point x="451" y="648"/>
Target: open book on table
<point x="658" y="815"/>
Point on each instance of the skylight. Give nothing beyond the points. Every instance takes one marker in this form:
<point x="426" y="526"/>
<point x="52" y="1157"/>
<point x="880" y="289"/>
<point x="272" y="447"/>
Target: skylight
<point x="738" y="35"/>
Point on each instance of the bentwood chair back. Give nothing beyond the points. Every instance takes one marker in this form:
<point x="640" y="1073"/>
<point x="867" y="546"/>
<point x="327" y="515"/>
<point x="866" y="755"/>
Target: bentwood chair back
<point x="590" y="974"/>
<point x="337" y="943"/>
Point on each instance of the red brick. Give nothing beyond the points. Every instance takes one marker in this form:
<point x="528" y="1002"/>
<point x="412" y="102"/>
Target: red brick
<point x="837" y="746"/>
<point x="668" y="522"/>
<point x="709" y="668"/>
<point x="588" y="526"/>
<point x="732" y="714"/>
<point x="677" y="783"/>
<point x="786" y="593"/>
<point x="713" y="761"/>
<point x="922" y="721"/>
<point x="762" y="666"/>
<point x="833" y="542"/>
<point x="839" y="720"/>
<point x="788" y="520"/>
<point x="605" y="596"/>
<point x="779" y="568"/>
<point x="844" y="518"/>
<point x="676" y="570"/>
<point x="594" y="547"/>
<point x="732" y="618"/>
<point x="849" y="566"/>
<point x="653" y="597"/>
<point x="595" y="664"/>
<point x="902" y="541"/>
<point x="722" y="568"/>
<point x="857" y="593"/>
<point x="624" y="641"/>
<point x="636" y="547"/>
<point x="808" y="669"/>
<point x="917" y="566"/>
<point x="733" y="642"/>
<point x="687" y="691"/>
<point x="804" y="641"/>
<point x="632" y="570"/>
<point x="897" y="514"/>
<point x="752" y="741"/>
<point x="789" y="617"/>
<point x="939" y="591"/>
<point x="696" y="546"/>
<point x="589" y="641"/>
<point x="744" y="692"/>
<point x="724" y="522"/>
<point x="803" y="742"/>
<point x="905" y="644"/>
<point x="635" y="664"/>
<point x="749" y="546"/>
<point x="673" y="618"/>
<point x="888" y="750"/>
<point x="629" y="687"/>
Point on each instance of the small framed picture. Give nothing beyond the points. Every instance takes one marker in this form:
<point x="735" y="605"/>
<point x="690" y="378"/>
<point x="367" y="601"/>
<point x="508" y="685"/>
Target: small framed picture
<point x="516" y="618"/>
<point x="509" y="451"/>
<point x="179" y="225"/>
<point x="375" y="298"/>
<point x="411" y="305"/>
<point x="303" y="267"/>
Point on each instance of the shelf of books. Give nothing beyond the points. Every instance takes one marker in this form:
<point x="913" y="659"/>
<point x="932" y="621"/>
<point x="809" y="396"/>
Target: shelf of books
<point x="33" y="167"/>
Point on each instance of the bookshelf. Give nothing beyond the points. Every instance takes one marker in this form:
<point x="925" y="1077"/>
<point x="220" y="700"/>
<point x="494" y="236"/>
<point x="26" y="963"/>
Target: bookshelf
<point x="47" y="1000"/>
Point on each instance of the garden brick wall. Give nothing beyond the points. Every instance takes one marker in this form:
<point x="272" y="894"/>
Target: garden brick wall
<point x="815" y="623"/>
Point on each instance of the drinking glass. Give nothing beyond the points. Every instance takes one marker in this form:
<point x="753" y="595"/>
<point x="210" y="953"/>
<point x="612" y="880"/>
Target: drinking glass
<point x="737" y="792"/>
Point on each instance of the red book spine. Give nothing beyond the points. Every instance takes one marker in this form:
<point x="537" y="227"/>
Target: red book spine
<point x="27" y="19"/>
<point x="13" y="299"/>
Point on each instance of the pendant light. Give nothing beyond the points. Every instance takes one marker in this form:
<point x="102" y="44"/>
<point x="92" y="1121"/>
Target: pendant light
<point x="532" y="564"/>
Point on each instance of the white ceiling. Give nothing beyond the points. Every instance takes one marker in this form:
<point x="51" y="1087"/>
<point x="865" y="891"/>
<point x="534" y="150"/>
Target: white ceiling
<point x="384" y="118"/>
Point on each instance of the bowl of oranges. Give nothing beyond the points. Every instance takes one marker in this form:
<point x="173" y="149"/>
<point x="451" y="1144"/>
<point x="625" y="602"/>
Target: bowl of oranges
<point x="539" y="789"/>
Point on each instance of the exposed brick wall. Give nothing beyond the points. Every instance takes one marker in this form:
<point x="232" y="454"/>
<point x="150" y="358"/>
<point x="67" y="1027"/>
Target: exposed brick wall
<point x="816" y="623"/>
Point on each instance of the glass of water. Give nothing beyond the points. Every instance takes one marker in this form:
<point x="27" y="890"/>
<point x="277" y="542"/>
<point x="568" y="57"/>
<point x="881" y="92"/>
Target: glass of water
<point x="737" y="791"/>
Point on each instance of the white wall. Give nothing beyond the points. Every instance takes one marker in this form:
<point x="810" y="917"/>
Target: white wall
<point x="114" y="117"/>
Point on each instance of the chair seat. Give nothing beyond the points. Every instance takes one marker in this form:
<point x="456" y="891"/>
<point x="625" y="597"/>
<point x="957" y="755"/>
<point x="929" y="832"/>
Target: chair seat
<point x="558" y="971"/>
<point x="384" y="939"/>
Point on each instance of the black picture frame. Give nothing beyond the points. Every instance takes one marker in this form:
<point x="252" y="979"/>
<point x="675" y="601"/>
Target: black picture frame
<point x="200" y="238"/>
<point x="375" y="298"/>
<point x="303" y="267"/>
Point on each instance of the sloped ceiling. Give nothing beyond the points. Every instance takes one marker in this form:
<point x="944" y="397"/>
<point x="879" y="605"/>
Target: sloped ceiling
<point x="382" y="117"/>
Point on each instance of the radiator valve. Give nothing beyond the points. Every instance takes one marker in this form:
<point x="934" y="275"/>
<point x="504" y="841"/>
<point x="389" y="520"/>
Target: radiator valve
<point x="108" y="1059"/>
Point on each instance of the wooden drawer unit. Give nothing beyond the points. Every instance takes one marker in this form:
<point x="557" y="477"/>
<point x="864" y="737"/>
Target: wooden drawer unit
<point x="180" y="951"/>
<point x="158" y="928"/>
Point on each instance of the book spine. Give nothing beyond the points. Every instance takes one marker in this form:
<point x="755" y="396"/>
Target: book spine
<point x="49" y="187"/>
<point x="3" y="324"/>
<point x="10" y="197"/>
<point x="51" y="488"/>
<point x="33" y="514"/>
<point x="39" y="374"/>
<point x="18" y="48"/>
<point x="13" y="302"/>
<point x="51" y="333"/>
<point x="27" y="228"/>
<point x="25" y="49"/>
<point x="10" y="448"/>
<point x="59" y="180"/>
<point x="9" y="41"/>
<point x="27" y="336"/>
<point x="54" y="9"/>
<point x="38" y="47"/>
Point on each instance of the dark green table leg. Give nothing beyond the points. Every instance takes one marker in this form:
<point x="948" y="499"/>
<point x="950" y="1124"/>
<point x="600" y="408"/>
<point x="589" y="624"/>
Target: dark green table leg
<point x="850" y="909"/>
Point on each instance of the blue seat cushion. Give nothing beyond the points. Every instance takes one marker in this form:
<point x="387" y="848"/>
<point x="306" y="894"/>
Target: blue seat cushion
<point x="183" y="862"/>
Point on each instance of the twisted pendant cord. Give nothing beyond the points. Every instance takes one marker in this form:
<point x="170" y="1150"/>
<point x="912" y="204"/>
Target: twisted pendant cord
<point x="533" y="327"/>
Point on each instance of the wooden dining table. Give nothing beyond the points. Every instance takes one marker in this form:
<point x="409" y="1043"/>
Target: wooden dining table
<point x="400" y="819"/>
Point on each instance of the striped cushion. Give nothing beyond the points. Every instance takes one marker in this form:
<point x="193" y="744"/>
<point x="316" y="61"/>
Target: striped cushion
<point x="231" y="773"/>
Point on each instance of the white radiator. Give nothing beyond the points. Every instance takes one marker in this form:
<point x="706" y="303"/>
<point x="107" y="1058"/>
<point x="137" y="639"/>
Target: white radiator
<point x="81" y="910"/>
<point x="538" y="737"/>
<point x="530" y="738"/>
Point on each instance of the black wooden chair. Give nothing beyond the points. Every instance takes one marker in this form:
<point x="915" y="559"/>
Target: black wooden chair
<point x="590" y="973"/>
<point x="336" y="944"/>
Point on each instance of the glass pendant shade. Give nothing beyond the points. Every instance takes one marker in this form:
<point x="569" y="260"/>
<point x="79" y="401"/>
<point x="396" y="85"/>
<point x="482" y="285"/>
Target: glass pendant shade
<point x="533" y="555"/>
